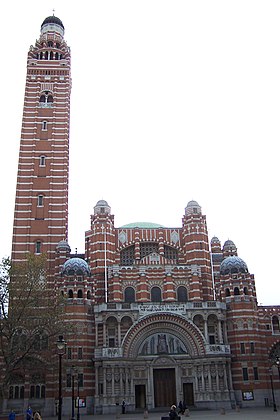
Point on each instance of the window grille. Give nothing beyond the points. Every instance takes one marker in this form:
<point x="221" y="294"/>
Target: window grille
<point x="127" y="255"/>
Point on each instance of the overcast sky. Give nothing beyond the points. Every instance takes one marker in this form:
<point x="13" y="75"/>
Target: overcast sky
<point x="171" y="101"/>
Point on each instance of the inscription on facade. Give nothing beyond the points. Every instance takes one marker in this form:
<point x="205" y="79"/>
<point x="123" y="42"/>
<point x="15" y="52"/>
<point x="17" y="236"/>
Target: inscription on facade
<point x="145" y="309"/>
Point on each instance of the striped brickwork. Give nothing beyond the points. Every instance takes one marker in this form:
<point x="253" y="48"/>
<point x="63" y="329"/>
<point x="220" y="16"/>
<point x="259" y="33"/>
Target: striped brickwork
<point x="41" y="203"/>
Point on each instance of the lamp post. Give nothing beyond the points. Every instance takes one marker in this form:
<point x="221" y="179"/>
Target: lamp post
<point x="277" y="363"/>
<point x="61" y="347"/>
<point x="272" y="390"/>
<point x="73" y="371"/>
<point x="78" y="399"/>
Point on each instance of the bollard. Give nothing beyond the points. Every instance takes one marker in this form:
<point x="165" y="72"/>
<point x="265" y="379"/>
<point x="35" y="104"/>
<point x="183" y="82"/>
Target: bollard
<point x="237" y="408"/>
<point x="187" y="412"/>
<point x="222" y="411"/>
<point x="146" y="415"/>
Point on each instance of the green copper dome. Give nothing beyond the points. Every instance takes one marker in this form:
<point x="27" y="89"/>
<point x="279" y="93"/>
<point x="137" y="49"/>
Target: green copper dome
<point x="142" y="225"/>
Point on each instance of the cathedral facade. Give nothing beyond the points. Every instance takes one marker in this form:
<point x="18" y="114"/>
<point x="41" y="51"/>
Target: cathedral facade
<point x="161" y="314"/>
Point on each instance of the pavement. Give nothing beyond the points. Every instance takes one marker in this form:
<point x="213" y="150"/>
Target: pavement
<point x="265" y="413"/>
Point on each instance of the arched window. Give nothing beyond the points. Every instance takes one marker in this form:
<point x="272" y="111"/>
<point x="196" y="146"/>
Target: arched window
<point x="227" y="292"/>
<point x="44" y="125"/>
<point x="245" y="290"/>
<point x="212" y="328"/>
<point x="236" y="291"/>
<point x="199" y="322"/>
<point x="112" y="328"/>
<point x="275" y="324"/>
<point x="19" y="340"/>
<point x="56" y="56"/>
<point x="88" y="295"/>
<point x="38" y="247"/>
<point x="40" y="341"/>
<point x="70" y="294"/>
<point x="182" y="294"/>
<point x="37" y="391"/>
<point x="129" y="295"/>
<point x="51" y="55"/>
<point x="43" y="391"/>
<point x="80" y="294"/>
<point x="155" y="294"/>
<point x="46" y="100"/>
<point x="126" y="323"/>
<point x="46" y="55"/>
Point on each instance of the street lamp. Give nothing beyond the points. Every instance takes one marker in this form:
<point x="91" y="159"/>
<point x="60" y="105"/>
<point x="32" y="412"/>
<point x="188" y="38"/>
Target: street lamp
<point x="73" y="371"/>
<point x="61" y="347"/>
<point x="78" y="400"/>
<point x="277" y="363"/>
<point x="272" y="390"/>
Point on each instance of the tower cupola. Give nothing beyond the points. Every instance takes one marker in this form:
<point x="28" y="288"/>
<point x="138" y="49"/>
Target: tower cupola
<point x="102" y="207"/>
<point x="52" y="24"/>
<point x="229" y="248"/>
<point x="192" y="208"/>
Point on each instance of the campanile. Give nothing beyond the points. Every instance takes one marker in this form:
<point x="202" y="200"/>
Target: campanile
<point x="41" y="204"/>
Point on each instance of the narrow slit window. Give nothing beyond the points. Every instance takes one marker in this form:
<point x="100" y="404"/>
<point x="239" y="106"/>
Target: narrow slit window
<point x="42" y="161"/>
<point x="38" y="247"/>
<point x="40" y="200"/>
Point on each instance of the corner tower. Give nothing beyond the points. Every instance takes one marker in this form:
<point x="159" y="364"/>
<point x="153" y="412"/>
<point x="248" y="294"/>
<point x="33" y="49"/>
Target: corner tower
<point x="41" y="203"/>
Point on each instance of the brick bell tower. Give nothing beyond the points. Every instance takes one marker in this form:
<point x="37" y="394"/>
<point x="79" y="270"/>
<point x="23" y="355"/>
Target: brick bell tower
<point x="41" y="204"/>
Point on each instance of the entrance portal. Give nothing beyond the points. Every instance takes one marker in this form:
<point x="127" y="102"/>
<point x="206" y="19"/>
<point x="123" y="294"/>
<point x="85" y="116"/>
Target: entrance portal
<point x="164" y="387"/>
<point x="140" y="396"/>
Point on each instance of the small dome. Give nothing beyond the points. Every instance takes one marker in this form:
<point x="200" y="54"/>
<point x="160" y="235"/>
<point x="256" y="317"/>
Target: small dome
<point x="102" y="203"/>
<point x="233" y="265"/>
<point x="52" y="20"/>
<point x="192" y="208"/>
<point x="229" y="246"/>
<point x="102" y="207"/>
<point x="215" y="240"/>
<point x="63" y="246"/>
<point x="75" y="266"/>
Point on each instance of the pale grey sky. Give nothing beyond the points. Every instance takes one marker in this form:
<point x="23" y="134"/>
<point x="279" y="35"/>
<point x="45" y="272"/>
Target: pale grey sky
<point x="171" y="101"/>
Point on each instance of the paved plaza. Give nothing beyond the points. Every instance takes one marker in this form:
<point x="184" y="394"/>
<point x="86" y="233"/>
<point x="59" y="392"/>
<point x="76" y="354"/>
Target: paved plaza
<point x="266" y="413"/>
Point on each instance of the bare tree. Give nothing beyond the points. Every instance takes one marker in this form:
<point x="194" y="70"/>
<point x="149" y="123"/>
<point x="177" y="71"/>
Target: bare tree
<point x="32" y="313"/>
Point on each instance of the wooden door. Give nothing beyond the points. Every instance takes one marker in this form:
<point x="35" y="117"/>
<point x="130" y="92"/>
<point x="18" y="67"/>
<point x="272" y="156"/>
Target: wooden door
<point x="164" y="387"/>
<point x="188" y="394"/>
<point x="140" y="396"/>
